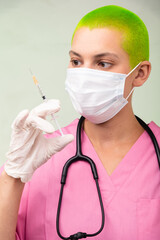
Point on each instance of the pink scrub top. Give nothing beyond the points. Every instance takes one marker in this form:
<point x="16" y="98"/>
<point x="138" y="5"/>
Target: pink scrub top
<point x="131" y="195"/>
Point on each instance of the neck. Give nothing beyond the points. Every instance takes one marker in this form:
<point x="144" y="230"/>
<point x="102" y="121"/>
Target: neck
<point x="122" y="128"/>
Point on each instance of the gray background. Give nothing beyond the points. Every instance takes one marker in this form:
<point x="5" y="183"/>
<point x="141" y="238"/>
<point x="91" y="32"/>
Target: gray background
<point x="37" y="33"/>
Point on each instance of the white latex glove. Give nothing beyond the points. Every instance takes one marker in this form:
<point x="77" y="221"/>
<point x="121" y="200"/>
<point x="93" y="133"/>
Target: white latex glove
<point x="29" y="149"/>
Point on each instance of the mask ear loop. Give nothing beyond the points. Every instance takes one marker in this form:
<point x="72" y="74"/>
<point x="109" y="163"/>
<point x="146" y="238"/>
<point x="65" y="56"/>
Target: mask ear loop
<point x="127" y="76"/>
<point x="133" y="69"/>
<point x="130" y="93"/>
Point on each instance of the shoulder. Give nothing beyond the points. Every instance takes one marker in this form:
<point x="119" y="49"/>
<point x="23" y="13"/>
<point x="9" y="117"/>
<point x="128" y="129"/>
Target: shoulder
<point x="71" y="128"/>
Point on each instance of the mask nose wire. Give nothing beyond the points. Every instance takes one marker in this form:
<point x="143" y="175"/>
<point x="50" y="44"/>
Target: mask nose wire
<point x="127" y="76"/>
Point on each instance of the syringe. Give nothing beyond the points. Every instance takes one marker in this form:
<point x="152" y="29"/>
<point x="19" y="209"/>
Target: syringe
<point x="44" y="99"/>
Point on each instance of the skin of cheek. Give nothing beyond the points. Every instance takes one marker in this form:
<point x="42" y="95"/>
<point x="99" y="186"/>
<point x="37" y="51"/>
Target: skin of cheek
<point x="128" y="86"/>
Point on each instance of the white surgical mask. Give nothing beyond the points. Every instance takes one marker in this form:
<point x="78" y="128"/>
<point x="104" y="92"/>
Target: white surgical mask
<point x="96" y="95"/>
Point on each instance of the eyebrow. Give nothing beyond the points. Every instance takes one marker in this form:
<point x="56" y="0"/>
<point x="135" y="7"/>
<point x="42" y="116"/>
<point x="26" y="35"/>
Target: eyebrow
<point x="105" y="54"/>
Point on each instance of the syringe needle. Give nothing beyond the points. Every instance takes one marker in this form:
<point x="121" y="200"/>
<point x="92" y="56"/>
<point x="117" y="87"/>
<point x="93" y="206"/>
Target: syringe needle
<point x="44" y="99"/>
<point x="30" y="71"/>
<point x="58" y="126"/>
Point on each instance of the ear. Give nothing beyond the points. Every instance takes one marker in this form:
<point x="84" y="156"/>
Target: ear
<point x="142" y="74"/>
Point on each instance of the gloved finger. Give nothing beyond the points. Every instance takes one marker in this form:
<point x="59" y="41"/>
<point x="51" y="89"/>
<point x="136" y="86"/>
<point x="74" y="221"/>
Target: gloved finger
<point x="39" y="123"/>
<point x="19" y="121"/>
<point x="58" y="143"/>
<point x="46" y="108"/>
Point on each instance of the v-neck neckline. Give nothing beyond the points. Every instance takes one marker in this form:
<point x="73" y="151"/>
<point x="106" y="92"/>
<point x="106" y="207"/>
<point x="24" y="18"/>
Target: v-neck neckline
<point x="123" y="169"/>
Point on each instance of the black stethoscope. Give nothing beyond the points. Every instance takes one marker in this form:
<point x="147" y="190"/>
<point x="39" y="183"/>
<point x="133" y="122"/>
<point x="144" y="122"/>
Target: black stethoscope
<point x="80" y="157"/>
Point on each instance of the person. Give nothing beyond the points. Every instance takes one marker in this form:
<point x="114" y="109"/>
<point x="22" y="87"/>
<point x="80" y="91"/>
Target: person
<point x="109" y="58"/>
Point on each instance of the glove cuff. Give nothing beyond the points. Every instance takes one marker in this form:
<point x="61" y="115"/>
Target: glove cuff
<point x="11" y="171"/>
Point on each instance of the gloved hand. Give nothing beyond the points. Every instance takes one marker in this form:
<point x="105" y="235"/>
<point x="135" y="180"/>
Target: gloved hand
<point x="29" y="148"/>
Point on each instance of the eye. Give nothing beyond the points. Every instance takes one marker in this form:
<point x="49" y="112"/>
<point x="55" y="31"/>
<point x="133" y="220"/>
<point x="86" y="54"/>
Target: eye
<point x="75" y="62"/>
<point x="104" y="64"/>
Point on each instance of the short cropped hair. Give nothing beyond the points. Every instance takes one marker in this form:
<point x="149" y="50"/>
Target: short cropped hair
<point x="135" y="35"/>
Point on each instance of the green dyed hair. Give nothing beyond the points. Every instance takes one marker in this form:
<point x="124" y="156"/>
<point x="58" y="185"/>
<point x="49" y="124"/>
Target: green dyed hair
<point x="135" y="35"/>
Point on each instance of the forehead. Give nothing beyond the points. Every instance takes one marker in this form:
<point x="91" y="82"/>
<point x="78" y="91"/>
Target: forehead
<point x="98" y="40"/>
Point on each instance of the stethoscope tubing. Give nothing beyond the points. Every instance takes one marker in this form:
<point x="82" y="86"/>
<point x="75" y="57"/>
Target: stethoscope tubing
<point x="80" y="157"/>
<point x="152" y="137"/>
